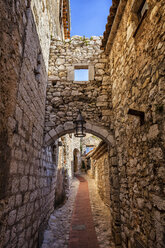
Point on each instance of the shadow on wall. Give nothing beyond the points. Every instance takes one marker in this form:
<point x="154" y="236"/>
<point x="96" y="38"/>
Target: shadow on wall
<point x="23" y="90"/>
<point x="76" y="157"/>
<point x="62" y="186"/>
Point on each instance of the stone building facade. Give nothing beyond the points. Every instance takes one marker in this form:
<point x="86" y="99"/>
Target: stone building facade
<point x="99" y="170"/>
<point x="135" y="50"/>
<point x="27" y="170"/>
<point x="123" y="102"/>
<point x="67" y="157"/>
<point x="65" y="96"/>
<point x="133" y="83"/>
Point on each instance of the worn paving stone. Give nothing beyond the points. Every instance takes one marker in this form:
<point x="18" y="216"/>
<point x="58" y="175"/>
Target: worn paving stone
<point x="57" y="233"/>
<point x="101" y="216"/>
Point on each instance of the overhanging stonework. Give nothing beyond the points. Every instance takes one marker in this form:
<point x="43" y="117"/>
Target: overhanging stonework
<point x="65" y="96"/>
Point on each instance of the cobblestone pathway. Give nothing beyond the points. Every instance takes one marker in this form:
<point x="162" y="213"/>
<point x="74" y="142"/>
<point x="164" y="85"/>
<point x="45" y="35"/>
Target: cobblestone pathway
<point x="101" y="216"/>
<point x="82" y="232"/>
<point x="57" y="233"/>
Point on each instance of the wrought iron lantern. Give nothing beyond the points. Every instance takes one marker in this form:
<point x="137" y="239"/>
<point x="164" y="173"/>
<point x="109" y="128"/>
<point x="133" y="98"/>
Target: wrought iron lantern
<point x="79" y="126"/>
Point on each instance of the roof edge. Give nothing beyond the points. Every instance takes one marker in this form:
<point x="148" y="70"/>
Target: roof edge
<point x="114" y="18"/>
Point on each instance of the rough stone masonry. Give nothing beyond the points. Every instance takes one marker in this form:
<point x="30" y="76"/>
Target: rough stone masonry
<point x="136" y="62"/>
<point x="27" y="172"/>
<point x="127" y="75"/>
<point x="65" y="96"/>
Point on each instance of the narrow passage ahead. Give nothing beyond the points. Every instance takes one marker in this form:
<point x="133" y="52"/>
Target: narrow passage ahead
<point x="71" y="226"/>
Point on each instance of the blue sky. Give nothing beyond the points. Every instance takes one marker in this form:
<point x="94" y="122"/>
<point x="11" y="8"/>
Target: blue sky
<point x="89" y="17"/>
<point x="81" y="75"/>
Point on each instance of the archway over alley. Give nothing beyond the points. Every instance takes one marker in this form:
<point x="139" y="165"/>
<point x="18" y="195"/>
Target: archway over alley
<point x="68" y="127"/>
<point x="78" y="228"/>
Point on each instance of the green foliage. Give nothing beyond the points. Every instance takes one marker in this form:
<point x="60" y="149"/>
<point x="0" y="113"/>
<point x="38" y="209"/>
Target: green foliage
<point x="85" y="40"/>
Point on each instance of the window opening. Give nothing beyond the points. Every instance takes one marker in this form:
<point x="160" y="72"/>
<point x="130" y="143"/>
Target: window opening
<point x="81" y="74"/>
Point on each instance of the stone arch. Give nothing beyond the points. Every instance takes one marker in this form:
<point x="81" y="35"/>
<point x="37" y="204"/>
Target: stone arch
<point x="108" y="137"/>
<point x="68" y="127"/>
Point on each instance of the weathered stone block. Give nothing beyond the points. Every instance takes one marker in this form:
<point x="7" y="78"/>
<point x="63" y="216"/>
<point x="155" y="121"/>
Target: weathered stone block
<point x="12" y="217"/>
<point x="100" y="65"/>
<point x="102" y="104"/>
<point x="140" y="203"/>
<point x="68" y="126"/>
<point x="102" y="98"/>
<point x="156" y="154"/>
<point x="60" y="61"/>
<point x="18" y="200"/>
<point x="59" y="129"/>
<point x="13" y="167"/>
<point x="47" y="138"/>
<point x="66" y="93"/>
<point x="98" y="78"/>
<point x="21" y="212"/>
<point x="101" y="72"/>
<point x="52" y="133"/>
<point x="153" y="131"/>
<point x="33" y="196"/>
<point x="106" y="112"/>
<point x="55" y="94"/>
<point x="154" y="13"/>
<point x="158" y="202"/>
<point x="75" y="93"/>
<point x="24" y="183"/>
<point x="15" y="185"/>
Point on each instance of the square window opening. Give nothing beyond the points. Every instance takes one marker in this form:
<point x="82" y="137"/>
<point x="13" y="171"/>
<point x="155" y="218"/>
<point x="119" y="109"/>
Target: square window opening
<point x="81" y="74"/>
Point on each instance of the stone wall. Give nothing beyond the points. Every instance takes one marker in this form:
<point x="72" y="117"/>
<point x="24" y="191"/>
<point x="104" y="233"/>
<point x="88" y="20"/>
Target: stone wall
<point x="46" y="17"/>
<point x="131" y="79"/>
<point x="27" y="171"/>
<point x="100" y="171"/>
<point x="136" y="62"/>
<point x="66" y="96"/>
<point x="65" y="170"/>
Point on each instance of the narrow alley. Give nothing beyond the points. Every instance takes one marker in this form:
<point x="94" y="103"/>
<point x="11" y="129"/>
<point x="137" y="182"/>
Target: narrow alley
<point x="82" y="124"/>
<point x="84" y="228"/>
